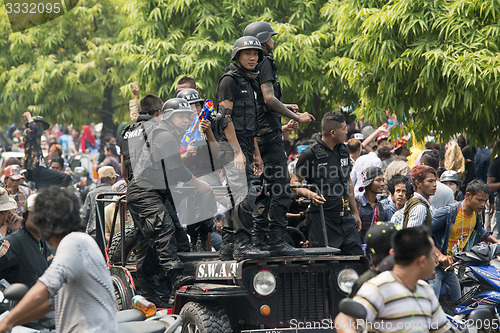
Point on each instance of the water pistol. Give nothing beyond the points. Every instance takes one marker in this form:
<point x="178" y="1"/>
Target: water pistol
<point x="193" y="133"/>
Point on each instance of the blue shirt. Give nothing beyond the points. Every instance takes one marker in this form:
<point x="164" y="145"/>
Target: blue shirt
<point x="366" y="212"/>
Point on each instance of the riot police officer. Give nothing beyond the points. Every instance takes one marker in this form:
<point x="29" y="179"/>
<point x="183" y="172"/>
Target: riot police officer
<point x="273" y="202"/>
<point x="148" y="163"/>
<point x="326" y="164"/>
<point x="237" y="105"/>
<point x="202" y="159"/>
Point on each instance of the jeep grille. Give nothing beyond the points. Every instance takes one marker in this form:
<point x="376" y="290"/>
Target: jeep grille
<point x="304" y="293"/>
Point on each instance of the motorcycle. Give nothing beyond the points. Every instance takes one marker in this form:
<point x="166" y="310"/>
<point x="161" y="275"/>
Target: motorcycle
<point x="129" y="321"/>
<point x="479" y="275"/>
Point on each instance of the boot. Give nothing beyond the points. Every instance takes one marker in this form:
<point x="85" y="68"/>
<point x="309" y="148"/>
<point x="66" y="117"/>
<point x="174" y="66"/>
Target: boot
<point x="227" y="245"/>
<point x="179" y="279"/>
<point x="260" y="241"/>
<point x="243" y="248"/>
<point x="278" y="247"/>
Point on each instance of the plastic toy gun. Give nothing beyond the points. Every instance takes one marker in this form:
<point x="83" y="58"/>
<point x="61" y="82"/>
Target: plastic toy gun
<point x="193" y="133"/>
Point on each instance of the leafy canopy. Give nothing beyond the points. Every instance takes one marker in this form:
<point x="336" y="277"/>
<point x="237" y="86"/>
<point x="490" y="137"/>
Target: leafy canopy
<point x="436" y="63"/>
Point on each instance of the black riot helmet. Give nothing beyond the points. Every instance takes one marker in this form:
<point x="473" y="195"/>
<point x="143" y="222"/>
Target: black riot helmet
<point x="261" y="30"/>
<point x="175" y="105"/>
<point x="190" y="95"/>
<point x="246" y="43"/>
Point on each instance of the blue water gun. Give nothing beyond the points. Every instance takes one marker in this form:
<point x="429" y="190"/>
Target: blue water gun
<point x="193" y="133"/>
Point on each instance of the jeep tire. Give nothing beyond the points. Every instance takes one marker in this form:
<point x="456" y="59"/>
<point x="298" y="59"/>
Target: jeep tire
<point x="116" y="244"/>
<point x="204" y="318"/>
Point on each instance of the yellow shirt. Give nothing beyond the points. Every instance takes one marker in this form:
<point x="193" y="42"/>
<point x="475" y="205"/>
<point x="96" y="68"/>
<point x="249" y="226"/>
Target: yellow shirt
<point x="461" y="231"/>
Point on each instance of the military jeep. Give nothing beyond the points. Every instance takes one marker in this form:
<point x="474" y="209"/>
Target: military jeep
<point x="269" y="294"/>
<point x="274" y="294"/>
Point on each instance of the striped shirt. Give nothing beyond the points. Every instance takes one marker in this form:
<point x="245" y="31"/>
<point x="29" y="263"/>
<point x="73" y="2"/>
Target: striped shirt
<point x="80" y="287"/>
<point x="418" y="214"/>
<point x="391" y="307"/>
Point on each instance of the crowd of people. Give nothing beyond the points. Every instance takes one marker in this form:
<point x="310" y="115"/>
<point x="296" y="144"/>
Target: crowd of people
<point x="351" y="173"/>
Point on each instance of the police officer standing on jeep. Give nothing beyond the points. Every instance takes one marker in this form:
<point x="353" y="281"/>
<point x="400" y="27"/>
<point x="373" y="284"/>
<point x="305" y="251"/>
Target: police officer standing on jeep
<point x="273" y="202"/>
<point x="326" y="164"/>
<point x="237" y="105"/>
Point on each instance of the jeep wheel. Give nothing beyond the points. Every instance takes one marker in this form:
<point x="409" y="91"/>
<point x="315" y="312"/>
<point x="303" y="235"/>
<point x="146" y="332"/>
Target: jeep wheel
<point x="116" y="244"/>
<point x="204" y="318"/>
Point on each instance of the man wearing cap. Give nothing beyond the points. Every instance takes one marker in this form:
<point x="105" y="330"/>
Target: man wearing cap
<point x="370" y="208"/>
<point x="109" y="211"/>
<point x="378" y="240"/>
<point x="368" y="160"/>
<point x="24" y="255"/>
<point x="9" y="221"/>
<point x="18" y="192"/>
<point x="107" y="177"/>
<point x="399" y="165"/>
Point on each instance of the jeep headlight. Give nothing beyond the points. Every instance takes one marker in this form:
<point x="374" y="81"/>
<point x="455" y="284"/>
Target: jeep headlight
<point x="346" y="279"/>
<point x="264" y="283"/>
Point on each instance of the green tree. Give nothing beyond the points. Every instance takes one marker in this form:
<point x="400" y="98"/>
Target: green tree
<point x="168" y="39"/>
<point x="434" y="63"/>
<point x="67" y="69"/>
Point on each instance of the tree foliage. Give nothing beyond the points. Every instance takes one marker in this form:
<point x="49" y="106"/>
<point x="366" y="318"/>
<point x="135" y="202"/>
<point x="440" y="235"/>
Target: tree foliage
<point x="67" y="69"/>
<point x="436" y="63"/>
<point x="168" y="39"/>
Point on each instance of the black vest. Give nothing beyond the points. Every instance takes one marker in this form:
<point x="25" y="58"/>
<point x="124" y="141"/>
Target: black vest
<point x="269" y="120"/>
<point x="131" y="138"/>
<point x="331" y="169"/>
<point x="245" y="102"/>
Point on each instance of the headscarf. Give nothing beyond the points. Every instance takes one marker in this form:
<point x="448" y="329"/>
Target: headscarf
<point x="87" y="134"/>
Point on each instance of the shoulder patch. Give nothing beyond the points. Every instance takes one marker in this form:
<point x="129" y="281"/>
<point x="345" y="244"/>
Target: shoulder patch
<point x="4" y="247"/>
<point x="318" y="151"/>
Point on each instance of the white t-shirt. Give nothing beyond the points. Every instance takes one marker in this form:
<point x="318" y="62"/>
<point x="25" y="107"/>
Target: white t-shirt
<point x="80" y="287"/>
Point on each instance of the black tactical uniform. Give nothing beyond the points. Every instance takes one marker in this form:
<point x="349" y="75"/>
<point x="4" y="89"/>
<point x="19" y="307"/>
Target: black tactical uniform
<point x="273" y="202"/>
<point x="236" y="86"/>
<point x="329" y="170"/>
<point x="150" y="202"/>
<point x="205" y="166"/>
<point x="23" y="259"/>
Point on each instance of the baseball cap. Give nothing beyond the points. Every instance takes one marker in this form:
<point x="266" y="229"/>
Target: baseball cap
<point x="383" y="136"/>
<point x="368" y="175"/>
<point x="378" y="237"/>
<point x="401" y="142"/>
<point x="107" y="172"/>
<point x="14" y="172"/>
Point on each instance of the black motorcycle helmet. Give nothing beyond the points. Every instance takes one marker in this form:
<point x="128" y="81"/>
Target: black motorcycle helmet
<point x="246" y="43"/>
<point x="190" y="95"/>
<point x="175" y="105"/>
<point x="261" y="30"/>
